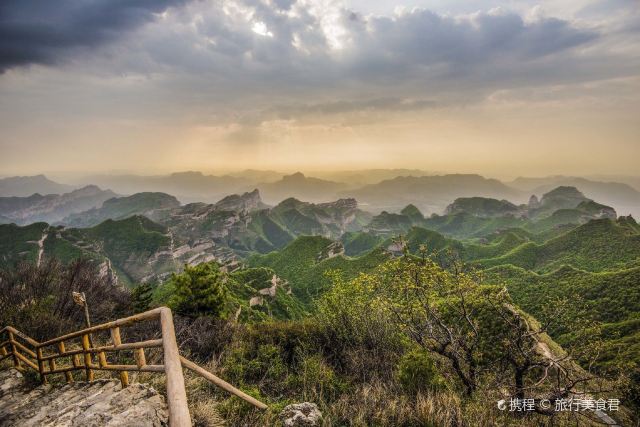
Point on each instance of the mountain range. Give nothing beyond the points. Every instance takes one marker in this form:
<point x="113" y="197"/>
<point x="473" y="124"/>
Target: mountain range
<point x="560" y="242"/>
<point x="162" y="234"/>
<point x="375" y="190"/>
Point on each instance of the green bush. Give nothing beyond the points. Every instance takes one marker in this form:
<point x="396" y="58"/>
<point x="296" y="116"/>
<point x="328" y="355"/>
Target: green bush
<point x="417" y="372"/>
<point x="316" y="379"/>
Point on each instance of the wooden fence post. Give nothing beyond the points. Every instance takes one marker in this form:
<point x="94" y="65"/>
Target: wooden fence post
<point x="68" y="375"/>
<point x="43" y="377"/>
<point x="176" y="394"/>
<point x="52" y="365"/>
<point x="141" y="360"/>
<point x="115" y="337"/>
<point x="14" y="351"/>
<point x="87" y="357"/>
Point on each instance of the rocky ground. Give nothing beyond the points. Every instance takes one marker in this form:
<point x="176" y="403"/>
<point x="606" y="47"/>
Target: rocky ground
<point x="79" y="404"/>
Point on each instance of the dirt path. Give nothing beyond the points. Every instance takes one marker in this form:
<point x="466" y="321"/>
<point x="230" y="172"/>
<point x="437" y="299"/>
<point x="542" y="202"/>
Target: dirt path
<point x="45" y="234"/>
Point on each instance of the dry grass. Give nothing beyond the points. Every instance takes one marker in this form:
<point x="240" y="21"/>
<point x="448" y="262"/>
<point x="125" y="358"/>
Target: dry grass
<point x="375" y="404"/>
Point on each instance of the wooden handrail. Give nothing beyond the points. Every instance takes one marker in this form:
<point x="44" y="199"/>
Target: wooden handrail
<point x="221" y="383"/>
<point x="30" y="353"/>
<point x="106" y="326"/>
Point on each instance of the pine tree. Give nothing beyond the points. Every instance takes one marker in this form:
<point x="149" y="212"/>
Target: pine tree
<point x="200" y="291"/>
<point x="142" y="296"/>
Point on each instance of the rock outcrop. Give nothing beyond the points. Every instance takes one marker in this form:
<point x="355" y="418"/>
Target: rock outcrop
<point x="301" y="414"/>
<point x="248" y="202"/>
<point x="80" y="404"/>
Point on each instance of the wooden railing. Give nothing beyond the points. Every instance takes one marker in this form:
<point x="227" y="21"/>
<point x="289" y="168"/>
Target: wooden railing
<point x="76" y="352"/>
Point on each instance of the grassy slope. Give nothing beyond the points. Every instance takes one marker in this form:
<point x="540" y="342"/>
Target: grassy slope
<point x="246" y="283"/>
<point x="595" y="246"/>
<point x="18" y="243"/>
<point x="302" y="265"/>
<point x="611" y="298"/>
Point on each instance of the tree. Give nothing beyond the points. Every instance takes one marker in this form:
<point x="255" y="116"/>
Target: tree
<point x="473" y="331"/>
<point x="37" y="299"/>
<point x="141" y="297"/>
<point x="199" y="291"/>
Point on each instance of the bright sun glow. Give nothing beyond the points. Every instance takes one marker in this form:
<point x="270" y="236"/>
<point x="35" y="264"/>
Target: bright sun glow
<point x="261" y="28"/>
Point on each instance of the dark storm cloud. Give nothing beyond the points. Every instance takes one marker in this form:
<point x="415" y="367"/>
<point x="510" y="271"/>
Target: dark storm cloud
<point x="45" y="31"/>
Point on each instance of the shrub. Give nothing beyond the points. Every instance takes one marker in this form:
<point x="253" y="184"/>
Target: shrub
<point x="316" y="379"/>
<point x="361" y="338"/>
<point x="417" y="372"/>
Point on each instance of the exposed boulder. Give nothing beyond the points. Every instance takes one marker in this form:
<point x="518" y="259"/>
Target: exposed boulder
<point x="301" y="414"/>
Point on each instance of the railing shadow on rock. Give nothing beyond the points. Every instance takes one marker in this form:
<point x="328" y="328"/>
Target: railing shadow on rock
<point x="47" y="358"/>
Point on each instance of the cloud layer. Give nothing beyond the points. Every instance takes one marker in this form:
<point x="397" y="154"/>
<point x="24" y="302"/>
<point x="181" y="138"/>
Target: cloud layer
<point x="263" y="71"/>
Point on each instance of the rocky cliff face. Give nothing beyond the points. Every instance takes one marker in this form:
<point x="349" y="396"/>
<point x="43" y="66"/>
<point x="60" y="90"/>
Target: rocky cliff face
<point x="248" y="202"/>
<point x="100" y="403"/>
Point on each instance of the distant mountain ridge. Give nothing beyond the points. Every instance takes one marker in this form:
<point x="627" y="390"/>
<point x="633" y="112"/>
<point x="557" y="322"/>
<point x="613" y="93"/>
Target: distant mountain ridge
<point x="482" y="207"/>
<point x="51" y="208"/>
<point x="375" y="189"/>
<point x="301" y="187"/>
<point x="474" y="217"/>
<point x="623" y="197"/>
<point x="146" y="204"/>
<point x="23" y="186"/>
<point x="431" y="194"/>
<point x="187" y="186"/>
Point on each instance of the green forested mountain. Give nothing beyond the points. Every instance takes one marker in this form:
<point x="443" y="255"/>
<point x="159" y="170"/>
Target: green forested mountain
<point x="131" y="250"/>
<point x="598" y="245"/>
<point x="18" y="243"/>
<point x="304" y="262"/>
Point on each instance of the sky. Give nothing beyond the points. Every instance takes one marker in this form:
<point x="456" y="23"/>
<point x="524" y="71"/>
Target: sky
<point x="501" y="88"/>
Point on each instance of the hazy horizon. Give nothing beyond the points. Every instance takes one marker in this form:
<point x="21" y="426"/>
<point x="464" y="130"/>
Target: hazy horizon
<point x="502" y="89"/>
<point x="80" y="177"/>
